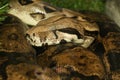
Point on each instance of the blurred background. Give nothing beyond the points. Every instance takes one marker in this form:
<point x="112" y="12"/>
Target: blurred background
<point x="76" y="5"/>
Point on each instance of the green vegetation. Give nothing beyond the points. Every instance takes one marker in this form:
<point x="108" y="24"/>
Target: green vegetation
<point x="77" y="5"/>
<point x="3" y="8"/>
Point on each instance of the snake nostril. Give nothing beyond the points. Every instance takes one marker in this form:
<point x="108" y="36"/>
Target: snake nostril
<point x="27" y="35"/>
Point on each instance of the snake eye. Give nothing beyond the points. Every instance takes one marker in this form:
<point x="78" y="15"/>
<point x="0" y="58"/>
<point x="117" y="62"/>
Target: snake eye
<point x="37" y="16"/>
<point x="27" y="35"/>
<point x="25" y="2"/>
